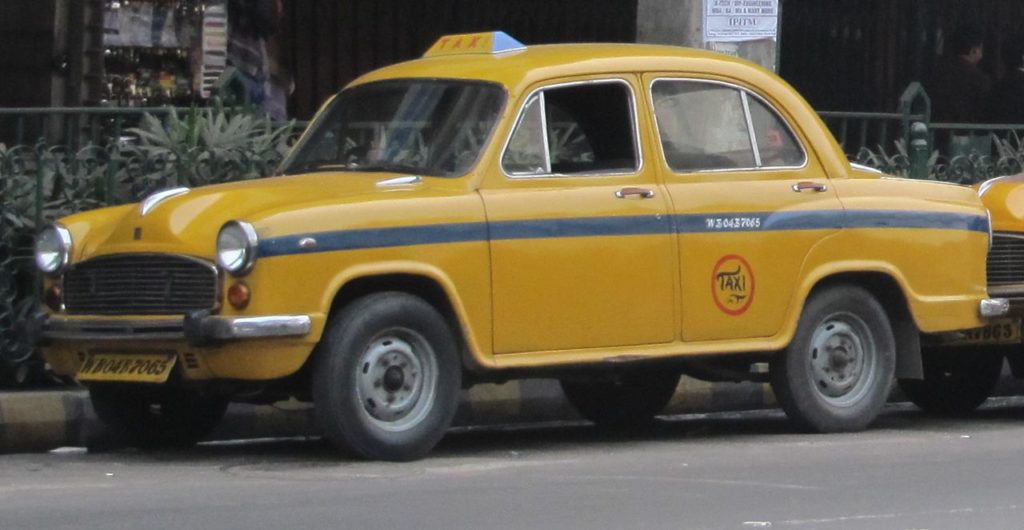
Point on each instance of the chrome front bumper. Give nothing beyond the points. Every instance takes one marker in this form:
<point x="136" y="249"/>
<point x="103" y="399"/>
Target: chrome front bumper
<point x="197" y="328"/>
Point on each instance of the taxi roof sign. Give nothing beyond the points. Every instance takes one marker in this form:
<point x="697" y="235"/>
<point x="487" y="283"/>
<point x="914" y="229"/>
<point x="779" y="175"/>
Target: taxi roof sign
<point x="487" y="42"/>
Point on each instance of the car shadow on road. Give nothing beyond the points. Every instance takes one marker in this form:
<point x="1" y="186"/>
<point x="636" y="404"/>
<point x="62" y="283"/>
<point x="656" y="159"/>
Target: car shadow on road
<point x="749" y="426"/>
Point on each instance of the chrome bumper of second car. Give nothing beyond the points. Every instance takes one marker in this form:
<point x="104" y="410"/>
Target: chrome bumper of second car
<point x="198" y="328"/>
<point x="994" y="307"/>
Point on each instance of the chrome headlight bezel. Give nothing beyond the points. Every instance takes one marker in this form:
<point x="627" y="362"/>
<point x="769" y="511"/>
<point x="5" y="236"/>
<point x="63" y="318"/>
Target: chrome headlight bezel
<point x="53" y="248"/>
<point x="237" y="247"/>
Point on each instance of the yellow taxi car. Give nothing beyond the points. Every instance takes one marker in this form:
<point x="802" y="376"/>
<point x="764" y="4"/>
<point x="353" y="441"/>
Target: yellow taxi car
<point x="962" y="368"/>
<point x="610" y="215"/>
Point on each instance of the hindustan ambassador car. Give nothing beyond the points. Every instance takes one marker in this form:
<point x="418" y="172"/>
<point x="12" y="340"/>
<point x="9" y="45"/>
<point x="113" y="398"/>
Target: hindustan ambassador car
<point x="613" y="216"/>
<point x="962" y="368"/>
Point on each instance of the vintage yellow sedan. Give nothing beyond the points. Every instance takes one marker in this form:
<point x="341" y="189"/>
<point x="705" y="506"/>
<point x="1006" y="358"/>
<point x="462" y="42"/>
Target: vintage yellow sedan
<point x="610" y="215"/>
<point x="961" y="369"/>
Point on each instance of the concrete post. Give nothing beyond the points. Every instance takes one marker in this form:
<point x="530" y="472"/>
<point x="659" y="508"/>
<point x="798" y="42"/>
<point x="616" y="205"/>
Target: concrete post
<point x="681" y="23"/>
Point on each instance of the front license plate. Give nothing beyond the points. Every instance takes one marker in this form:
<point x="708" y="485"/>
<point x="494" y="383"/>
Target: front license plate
<point x="133" y="367"/>
<point x="999" y="332"/>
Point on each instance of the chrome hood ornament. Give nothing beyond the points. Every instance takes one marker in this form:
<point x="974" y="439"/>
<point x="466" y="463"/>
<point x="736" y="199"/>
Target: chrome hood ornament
<point x="154" y="199"/>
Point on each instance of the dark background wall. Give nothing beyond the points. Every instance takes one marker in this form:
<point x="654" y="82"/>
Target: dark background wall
<point x="841" y="54"/>
<point x="327" y="43"/>
<point x="861" y="54"/>
<point x="28" y="44"/>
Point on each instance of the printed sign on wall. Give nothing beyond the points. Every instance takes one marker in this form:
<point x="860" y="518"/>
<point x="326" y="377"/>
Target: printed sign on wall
<point x="740" y="20"/>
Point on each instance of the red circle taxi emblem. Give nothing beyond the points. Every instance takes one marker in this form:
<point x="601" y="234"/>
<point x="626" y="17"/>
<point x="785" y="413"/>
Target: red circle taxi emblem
<point x="732" y="285"/>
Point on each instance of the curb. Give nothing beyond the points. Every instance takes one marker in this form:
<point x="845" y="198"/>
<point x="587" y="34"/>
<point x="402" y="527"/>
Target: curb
<point x="35" y="421"/>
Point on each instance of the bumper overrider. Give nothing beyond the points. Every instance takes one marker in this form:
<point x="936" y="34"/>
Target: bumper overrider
<point x="199" y="328"/>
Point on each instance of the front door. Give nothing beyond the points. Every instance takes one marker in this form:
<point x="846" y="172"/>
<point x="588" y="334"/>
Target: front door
<point x="581" y="244"/>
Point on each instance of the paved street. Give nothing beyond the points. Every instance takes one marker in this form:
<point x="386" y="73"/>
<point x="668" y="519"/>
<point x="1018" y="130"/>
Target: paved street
<point x="746" y="470"/>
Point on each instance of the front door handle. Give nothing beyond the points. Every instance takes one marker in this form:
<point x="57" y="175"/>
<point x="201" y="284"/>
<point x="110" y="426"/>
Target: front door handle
<point x="643" y="193"/>
<point x="806" y="185"/>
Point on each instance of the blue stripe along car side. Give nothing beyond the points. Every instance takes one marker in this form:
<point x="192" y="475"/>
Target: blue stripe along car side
<point x="620" y="226"/>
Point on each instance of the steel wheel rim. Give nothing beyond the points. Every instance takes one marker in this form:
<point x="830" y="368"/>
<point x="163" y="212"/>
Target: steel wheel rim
<point x="396" y="379"/>
<point x="843" y="359"/>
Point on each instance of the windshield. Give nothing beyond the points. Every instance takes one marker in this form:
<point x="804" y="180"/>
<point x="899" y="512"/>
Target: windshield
<point x="416" y="126"/>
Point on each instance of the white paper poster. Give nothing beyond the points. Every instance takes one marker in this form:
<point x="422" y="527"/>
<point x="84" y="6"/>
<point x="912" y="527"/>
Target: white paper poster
<point x="740" y="20"/>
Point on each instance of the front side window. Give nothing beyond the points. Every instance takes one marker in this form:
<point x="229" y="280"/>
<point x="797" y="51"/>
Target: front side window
<point x="416" y="126"/>
<point x="585" y="128"/>
<point x="707" y="126"/>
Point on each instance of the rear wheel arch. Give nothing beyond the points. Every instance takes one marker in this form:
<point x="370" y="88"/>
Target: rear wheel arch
<point x="889" y="293"/>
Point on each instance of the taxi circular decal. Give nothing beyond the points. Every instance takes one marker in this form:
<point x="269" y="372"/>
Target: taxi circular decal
<point x="732" y="285"/>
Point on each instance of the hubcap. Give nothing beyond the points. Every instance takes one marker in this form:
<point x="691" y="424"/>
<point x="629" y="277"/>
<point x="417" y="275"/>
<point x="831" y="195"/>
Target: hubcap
<point x="397" y="379"/>
<point x="843" y="359"/>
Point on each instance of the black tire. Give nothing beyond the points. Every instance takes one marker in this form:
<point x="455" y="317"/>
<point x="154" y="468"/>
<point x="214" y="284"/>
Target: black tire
<point x="956" y="381"/>
<point x="151" y="417"/>
<point x="627" y="401"/>
<point x="837" y="372"/>
<point x="387" y="377"/>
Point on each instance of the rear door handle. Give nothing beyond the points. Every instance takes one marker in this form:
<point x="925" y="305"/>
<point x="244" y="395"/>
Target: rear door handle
<point x="643" y="193"/>
<point x="807" y="185"/>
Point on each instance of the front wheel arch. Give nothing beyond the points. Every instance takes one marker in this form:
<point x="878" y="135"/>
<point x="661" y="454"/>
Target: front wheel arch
<point x="420" y="286"/>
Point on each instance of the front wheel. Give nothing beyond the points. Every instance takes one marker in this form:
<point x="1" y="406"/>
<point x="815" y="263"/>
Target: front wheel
<point x="387" y="377"/>
<point x="836" y="373"/>
<point x="155" y="417"/>
<point x="629" y="400"/>
<point x="955" y="382"/>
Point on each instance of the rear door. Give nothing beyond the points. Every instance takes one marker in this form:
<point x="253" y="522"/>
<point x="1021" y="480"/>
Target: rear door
<point x="749" y="203"/>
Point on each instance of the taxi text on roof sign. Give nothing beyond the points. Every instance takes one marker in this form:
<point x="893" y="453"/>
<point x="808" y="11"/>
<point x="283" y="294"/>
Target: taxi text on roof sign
<point x="487" y="42"/>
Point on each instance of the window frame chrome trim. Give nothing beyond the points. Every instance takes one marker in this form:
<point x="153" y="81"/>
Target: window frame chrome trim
<point x="752" y="136"/>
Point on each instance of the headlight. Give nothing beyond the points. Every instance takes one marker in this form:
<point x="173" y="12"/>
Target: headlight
<point x="236" y="247"/>
<point x="53" y="249"/>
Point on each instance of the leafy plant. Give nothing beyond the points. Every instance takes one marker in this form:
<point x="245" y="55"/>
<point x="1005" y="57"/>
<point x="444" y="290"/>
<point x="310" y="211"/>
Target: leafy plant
<point x="41" y="182"/>
<point x="202" y="147"/>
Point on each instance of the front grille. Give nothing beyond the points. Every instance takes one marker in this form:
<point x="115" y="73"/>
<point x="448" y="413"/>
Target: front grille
<point x="140" y="284"/>
<point x="1006" y="260"/>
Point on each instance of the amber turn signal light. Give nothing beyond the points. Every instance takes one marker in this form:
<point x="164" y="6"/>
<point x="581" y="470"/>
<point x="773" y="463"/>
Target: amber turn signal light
<point x="239" y="295"/>
<point x="54" y="298"/>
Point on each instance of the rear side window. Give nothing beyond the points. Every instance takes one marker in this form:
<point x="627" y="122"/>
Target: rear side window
<point x="707" y="126"/>
<point x="776" y="144"/>
<point x="587" y="128"/>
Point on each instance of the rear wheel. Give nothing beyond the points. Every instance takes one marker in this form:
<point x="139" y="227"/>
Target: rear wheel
<point x="955" y="382"/>
<point x="387" y="377"/>
<point x="837" y="372"/>
<point x="629" y="400"/>
<point x="155" y="417"/>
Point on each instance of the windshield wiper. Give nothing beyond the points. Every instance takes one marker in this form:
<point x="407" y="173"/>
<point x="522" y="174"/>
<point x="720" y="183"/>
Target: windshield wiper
<point x="387" y="167"/>
<point x="354" y="166"/>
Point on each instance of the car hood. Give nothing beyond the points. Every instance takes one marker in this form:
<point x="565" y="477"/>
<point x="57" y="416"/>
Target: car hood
<point x="188" y="223"/>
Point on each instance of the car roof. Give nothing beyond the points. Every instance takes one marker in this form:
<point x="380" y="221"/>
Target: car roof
<point x="514" y="69"/>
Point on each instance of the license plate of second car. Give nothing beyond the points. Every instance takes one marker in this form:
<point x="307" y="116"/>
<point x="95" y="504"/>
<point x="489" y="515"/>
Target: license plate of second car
<point x="1007" y="331"/>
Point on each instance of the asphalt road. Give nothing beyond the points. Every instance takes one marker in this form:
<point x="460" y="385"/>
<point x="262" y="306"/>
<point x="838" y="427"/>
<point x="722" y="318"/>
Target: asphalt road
<point x="747" y="470"/>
